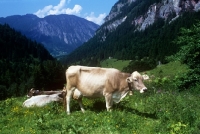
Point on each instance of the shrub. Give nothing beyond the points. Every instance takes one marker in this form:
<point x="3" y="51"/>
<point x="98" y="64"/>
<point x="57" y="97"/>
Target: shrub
<point x="189" y="54"/>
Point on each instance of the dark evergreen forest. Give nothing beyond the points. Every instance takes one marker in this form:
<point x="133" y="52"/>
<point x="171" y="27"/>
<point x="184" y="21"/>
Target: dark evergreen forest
<point x="125" y="43"/>
<point x="25" y="64"/>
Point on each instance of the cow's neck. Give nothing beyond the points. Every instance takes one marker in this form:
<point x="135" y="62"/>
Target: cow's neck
<point x="129" y="86"/>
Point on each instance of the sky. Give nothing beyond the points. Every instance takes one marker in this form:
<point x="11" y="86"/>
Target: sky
<point x="92" y="10"/>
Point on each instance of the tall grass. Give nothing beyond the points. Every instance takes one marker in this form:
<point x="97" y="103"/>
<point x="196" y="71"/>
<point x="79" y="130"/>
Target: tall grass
<point x="153" y="112"/>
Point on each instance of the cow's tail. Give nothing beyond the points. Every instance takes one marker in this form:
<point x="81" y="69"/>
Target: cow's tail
<point x="64" y="93"/>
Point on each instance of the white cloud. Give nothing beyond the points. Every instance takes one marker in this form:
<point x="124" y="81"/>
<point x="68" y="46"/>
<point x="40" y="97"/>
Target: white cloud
<point x="76" y="10"/>
<point x="59" y="9"/>
<point x="98" y="20"/>
<point x="42" y="13"/>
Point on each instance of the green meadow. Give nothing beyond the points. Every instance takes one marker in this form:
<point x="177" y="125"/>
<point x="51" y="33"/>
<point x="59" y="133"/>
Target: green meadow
<point x="162" y="110"/>
<point x="114" y="63"/>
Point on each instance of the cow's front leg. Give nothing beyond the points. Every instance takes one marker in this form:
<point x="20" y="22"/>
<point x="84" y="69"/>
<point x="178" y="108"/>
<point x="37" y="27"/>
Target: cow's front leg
<point x="109" y="102"/>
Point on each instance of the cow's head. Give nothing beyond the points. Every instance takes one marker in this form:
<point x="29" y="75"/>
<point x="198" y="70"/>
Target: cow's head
<point x="32" y="92"/>
<point x="136" y="81"/>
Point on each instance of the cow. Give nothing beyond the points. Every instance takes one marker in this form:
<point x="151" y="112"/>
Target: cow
<point x="41" y="100"/>
<point x="34" y="92"/>
<point x="94" y="82"/>
<point x="62" y="93"/>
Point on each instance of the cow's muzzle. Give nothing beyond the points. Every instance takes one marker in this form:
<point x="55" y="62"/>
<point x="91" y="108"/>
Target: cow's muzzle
<point x="143" y="90"/>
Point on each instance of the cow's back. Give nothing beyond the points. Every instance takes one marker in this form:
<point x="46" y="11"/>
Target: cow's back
<point x="91" y="81"/>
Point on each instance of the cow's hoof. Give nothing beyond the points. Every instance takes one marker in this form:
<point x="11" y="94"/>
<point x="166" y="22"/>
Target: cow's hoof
<point x="83" y="110"/>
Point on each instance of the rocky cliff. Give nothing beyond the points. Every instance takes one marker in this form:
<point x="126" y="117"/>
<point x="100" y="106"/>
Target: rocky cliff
<point x="165" y="9"/>
<point x="137" y="29"/>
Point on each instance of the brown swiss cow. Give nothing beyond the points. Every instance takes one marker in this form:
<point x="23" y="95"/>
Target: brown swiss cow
<point x="96" y="82"/>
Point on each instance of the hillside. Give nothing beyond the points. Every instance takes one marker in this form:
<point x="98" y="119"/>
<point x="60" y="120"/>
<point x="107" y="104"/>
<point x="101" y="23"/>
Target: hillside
<point x="114" y="63"/>
<point x="25" y="64"/>
<point x="60" y="34"/>
<point x="138" y="29"/>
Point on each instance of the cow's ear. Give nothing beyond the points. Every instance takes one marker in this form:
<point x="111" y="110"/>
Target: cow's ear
<point x="32" y="90"/>
<point x="145" y="77"/>
<point x="129" y="80"/>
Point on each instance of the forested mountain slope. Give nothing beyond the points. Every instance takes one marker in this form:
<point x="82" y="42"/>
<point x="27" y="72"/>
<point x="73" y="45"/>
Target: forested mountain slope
<point x="138" y="29"/>
<point x="25" y="64"/>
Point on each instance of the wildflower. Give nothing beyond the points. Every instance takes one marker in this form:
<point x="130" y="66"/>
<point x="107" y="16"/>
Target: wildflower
<point x="15" y="109"/>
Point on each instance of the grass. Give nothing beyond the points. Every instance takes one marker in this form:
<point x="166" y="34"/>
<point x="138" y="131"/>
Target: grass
<point x="114" y="63"/>
<point x="161" y="110"/>
<point x="150" y="113"/>
<point x="171" y="69"/>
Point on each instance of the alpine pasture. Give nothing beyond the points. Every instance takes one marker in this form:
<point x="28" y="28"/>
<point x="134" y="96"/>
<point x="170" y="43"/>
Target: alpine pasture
<point x="162" y="110"/>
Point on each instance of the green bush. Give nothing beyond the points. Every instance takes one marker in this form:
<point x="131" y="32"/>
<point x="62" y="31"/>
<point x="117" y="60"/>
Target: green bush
<point x="189" y="54"/>
<point x="140" y="66"/>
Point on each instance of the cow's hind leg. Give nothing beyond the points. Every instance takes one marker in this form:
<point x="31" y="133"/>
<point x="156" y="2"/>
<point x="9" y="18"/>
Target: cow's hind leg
<point x="109" y="102"/>
<point x="81" y="104"/>
<point x="78" y="96"/>
<point x="68" y="98"/>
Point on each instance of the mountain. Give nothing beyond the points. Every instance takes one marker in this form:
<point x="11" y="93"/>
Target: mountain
<point x="60" y="34"/>
<point x="138" y="30"/>
<point x="146" y="13"/>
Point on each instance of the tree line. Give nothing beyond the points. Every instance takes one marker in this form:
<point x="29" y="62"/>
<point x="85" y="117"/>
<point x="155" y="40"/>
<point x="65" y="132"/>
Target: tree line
<point x="25" y="64"/>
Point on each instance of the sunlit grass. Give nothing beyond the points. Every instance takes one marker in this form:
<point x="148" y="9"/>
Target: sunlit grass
<point x="167" y="112"/>
<point x="114" y="63"/>
<point x="169" y="69"/>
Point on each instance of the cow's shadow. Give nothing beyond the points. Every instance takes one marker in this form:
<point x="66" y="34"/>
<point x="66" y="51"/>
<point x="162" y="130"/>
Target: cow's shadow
<point x="100" y="106"/>
<point x="142" y="114"/>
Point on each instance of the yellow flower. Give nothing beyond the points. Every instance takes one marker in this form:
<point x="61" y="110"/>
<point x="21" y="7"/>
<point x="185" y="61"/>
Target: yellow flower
<point x="15" y="109"/>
